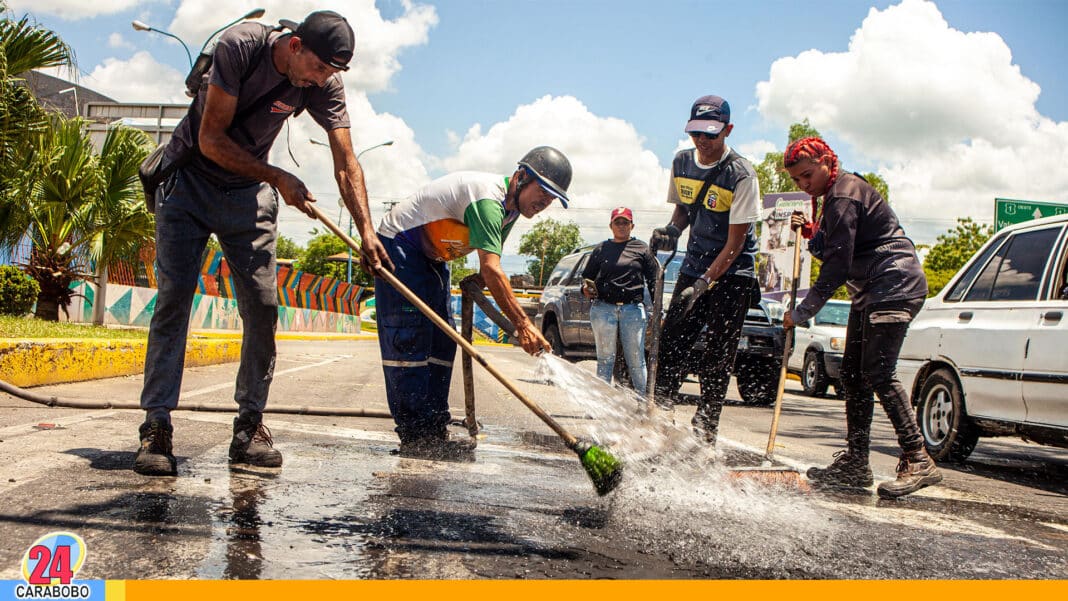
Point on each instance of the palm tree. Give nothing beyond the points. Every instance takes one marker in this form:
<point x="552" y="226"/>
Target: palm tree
<point x="79" y="206"/>
<point x="23" y="47"/>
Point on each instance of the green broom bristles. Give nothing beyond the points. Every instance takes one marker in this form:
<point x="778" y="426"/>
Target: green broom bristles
<point x="603" y="468"/>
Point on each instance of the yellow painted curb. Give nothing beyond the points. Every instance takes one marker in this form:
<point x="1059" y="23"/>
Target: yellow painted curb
<point x="35" y="362"/>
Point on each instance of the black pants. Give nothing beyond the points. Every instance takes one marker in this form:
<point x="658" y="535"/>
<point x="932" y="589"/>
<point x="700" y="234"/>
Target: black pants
<point x="869" y="366"/>
<point x="722" y="309"/>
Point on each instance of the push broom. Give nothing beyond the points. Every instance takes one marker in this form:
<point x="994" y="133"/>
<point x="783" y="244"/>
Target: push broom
<point x="604" y="469"/>
<point x="766" y="472"/>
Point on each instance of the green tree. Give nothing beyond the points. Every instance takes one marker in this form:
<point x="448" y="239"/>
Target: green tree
<point x="772" y="177"/>
<point x="320" y="248"/>
<point x="952" y="250"/>
<point x="23" y="47"/>
<point x="286" y="248"/>
<point x="459" y="270"/>
<point x="76" y="205"/>
<point x="547" y="242"/>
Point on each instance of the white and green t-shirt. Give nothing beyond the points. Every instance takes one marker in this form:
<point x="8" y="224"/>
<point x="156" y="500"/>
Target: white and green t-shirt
<point x="453" y="215"/>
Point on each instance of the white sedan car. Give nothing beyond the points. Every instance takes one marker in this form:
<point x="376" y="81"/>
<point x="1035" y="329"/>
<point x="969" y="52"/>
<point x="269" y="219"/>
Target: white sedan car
<point x="988" y="356"/>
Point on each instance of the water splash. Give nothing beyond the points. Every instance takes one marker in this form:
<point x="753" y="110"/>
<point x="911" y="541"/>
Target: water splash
<point x="677" y="494"/>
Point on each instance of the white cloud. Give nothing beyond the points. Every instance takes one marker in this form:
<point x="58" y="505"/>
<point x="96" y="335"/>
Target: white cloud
<point x="946" y="114"/>
<point x="139" y="79"/>
<point x="755" y="151"/>
<point x="115" y="40"/>
<point x="611" y="166"/>
<point x="73" y="9"/>
<point x="391" y="172"/>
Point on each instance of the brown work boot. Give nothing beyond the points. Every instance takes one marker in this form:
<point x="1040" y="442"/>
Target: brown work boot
<point x="252" y="443"/>
<point x="156" y="457"/>
<point x="848" y="470"/>
<point x="439" y="447"/>
<point x="915" y="470"/>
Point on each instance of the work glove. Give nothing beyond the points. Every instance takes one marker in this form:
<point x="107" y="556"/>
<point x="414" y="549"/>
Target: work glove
<point x="691" y="294"/>
<point x="665" y="238"/>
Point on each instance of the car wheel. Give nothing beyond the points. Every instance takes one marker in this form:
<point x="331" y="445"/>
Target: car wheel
<point x="552" y="334"/>
<point x="947" y="431"/>
<point x="813" y="375"/>
<point x="757" y="380"/>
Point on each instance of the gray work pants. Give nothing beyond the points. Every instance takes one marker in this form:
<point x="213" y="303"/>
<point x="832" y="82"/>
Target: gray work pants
<point x="188" y="209"/>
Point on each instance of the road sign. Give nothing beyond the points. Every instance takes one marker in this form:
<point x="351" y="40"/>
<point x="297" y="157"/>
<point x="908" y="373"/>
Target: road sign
<point x="1008" y="211"/>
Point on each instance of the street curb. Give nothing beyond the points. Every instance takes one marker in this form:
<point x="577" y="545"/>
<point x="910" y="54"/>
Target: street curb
<point x="36" y="362"/>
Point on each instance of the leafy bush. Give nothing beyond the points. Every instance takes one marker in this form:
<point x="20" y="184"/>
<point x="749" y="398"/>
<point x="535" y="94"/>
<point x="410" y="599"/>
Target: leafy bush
<point x="18" y="291"/>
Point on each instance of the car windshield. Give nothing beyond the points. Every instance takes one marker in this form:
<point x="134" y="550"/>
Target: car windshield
<point x="833" y="314"/>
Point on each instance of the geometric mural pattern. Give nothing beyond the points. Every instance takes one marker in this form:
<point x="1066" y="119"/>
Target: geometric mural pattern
<point x="133" y="306"/>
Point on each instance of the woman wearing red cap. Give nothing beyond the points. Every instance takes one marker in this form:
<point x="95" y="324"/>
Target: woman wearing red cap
<point x="860" y="241"/>
<point x="619" y="269"/>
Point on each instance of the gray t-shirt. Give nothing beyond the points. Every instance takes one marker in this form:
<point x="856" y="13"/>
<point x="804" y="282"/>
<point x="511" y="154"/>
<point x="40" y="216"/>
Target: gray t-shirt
<point x="237" y="49"/>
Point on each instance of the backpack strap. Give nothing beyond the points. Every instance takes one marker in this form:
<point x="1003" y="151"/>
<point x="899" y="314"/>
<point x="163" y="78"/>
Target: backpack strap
<point x="732" y="156"/>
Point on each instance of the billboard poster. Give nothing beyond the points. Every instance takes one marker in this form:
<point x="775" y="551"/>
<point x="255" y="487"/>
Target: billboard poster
<point x="775" y="253"/>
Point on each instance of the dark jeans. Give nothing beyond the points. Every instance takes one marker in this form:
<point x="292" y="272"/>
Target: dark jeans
<point x="722" y="309"/>
<point x="188" y="209"/>
<point x="869" y="367"/>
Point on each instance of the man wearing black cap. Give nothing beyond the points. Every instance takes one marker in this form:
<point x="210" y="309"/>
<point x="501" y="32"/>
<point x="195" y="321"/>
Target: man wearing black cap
<point x="715" y="193"/>
<point x="223" y="185"/>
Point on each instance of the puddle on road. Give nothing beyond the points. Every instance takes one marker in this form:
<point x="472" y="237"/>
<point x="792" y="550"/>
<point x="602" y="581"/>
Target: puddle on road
<point x="344" y="508"/>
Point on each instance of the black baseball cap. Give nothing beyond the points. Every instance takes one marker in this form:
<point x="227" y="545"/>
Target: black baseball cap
<point x="709" y="115"/>
<point x="329" y="36"/>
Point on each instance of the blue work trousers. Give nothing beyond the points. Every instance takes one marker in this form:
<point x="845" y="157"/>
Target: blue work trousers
<point x="626" y="323"/>
<point x="417" y="356"/>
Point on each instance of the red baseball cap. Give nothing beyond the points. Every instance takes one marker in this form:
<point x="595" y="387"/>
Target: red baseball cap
<point x="623" y="212"/>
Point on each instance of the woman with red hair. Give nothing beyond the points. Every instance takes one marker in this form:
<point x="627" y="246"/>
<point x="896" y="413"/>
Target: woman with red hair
<point x="862" y="245"/>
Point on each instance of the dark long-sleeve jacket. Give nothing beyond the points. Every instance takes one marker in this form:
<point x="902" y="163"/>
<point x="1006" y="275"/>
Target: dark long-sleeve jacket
<point x="863" y="246"/>
<point x="621" y="269"/>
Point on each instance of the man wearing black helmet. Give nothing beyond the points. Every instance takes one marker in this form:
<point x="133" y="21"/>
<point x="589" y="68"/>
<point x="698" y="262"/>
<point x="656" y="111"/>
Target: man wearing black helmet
<point x="446" y="219"/>
<point x="220" y="183"/>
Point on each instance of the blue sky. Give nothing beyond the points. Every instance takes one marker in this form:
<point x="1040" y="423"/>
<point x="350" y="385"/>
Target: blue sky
<point x="942" y="98"/>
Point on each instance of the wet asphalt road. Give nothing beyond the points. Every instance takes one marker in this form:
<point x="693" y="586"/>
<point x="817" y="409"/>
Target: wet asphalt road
<point x="344" y="507"/>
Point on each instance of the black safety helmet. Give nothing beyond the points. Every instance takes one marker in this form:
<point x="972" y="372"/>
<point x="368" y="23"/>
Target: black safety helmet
<point x="551" y="169"/>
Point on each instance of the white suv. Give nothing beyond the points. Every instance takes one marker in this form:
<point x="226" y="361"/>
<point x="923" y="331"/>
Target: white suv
<point x="988" y="356"/>
<point x="818" y="346"/>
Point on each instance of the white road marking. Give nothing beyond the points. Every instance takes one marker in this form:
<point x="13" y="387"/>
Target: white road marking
<point x="216" y="387"/>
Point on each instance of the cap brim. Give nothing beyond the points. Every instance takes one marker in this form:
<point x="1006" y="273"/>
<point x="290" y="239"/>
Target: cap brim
<point x="705" y="126"/>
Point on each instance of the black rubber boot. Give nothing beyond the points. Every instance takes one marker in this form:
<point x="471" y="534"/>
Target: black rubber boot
<point x="252" y="443"/>
<point x="849" y="469"/>
<point x="916" y="470"/>
<point x="705" y="422"/>
<point x="155" y="457"/>
<point x="438" y="447"/>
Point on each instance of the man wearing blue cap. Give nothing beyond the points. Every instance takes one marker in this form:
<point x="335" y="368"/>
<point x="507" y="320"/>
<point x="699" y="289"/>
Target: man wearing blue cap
<point x="218" y="181"/>
<point x="716" y="194"/>
<point x="447" y="219"/>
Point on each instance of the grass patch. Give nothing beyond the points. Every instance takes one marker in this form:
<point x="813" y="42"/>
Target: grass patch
<point x="28" y="327"/>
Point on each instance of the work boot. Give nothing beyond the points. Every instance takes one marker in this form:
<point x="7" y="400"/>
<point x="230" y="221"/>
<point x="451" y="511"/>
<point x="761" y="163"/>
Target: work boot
<point x="848" y="470"/>
<point x="155" y="457"/>
<point x="439" y="447"/>
<point x="252" y="443"/>
<point x="915" y="470"/>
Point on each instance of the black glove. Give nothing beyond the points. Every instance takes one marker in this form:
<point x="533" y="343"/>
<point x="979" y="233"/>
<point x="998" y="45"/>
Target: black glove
<point x="665" y="238"/>
<point x="694" y="292"/>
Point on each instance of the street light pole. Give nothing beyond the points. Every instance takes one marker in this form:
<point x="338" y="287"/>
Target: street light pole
<point x="140" y="26"/>
<point x="348" y="274"/>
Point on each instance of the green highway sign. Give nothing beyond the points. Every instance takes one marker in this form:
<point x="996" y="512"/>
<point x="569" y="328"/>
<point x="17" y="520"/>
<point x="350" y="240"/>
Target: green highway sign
<point x="1008" y="211"/>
